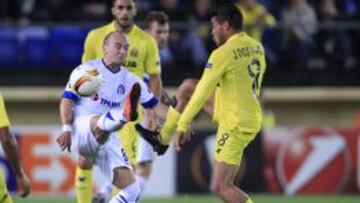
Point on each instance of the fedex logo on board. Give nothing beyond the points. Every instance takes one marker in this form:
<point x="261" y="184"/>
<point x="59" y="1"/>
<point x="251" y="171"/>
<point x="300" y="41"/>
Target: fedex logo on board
<point x="48" y="169"/>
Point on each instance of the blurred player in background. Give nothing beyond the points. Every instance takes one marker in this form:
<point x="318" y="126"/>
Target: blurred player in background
<point x="89" y="122"/>
<point x="9" y="146"/>
<point x="157" y="25"/>
<point x="255" y="17"/>
<point x="236" y="68"/>
<point x="143" y="59"/>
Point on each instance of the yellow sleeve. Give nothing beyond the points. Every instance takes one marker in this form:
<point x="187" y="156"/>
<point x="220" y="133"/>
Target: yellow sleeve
<point x="152" y="62"/>
<point x="214" y="70"/>
<point x="89" y="48"/>
<point x="4" y="120"/>
<point x="269" y="19"/>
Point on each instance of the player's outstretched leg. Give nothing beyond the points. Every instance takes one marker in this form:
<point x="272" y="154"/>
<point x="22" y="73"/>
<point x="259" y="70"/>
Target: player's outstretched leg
<point x="161" y="140"/>
<point x="178" y="104"/>
<point x="116" y="118"/>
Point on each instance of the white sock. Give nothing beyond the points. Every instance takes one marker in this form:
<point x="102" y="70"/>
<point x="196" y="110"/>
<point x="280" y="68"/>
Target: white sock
<point x="112" y="120"/>
<point x="130" y="194"/>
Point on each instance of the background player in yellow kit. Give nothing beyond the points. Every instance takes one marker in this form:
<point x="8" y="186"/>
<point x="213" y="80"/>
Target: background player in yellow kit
<point x="236" y="67"/>
<point x="9" y="146"/>
<point x="142" y="60"/>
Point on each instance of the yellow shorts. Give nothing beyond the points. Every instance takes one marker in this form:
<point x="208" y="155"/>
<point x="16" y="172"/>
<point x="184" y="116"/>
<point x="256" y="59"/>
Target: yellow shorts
<point x="129" y="138"/>
<point x="230" y="144"/>
<point x="4" y="194"/>
<point x="130" y="141"/>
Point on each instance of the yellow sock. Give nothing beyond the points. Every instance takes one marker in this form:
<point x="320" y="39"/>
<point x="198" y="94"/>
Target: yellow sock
<point x="4" y="194"/>
<point x="169" y="126"/>
<point x="249" y="201"/>
<point x="129" y="139"/>
<point x="83" y="183"/>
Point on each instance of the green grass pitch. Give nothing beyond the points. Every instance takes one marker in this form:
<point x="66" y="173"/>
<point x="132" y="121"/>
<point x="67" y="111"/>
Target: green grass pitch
<point x="264" y="198"/>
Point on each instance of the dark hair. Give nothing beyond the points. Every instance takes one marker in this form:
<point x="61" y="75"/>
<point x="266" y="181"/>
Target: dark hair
<point x="156" y="16"/>
<point x="113" y="1"/>
<point x="229" y="13"/>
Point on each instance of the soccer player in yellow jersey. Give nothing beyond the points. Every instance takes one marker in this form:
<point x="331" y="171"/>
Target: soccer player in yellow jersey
<point x="236" y="67"/>
<point x="9" y="146"/>
<point x="255" y="18"/>
<point x="142" y="60"/>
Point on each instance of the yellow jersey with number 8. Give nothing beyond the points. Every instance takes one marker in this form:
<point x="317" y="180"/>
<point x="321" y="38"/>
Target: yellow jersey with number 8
<point x="236" y="68"/>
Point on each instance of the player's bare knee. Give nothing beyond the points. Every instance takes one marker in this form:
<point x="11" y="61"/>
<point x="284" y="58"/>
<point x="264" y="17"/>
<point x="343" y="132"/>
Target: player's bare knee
<point x="125" y="180"/>
<point x="188" y="86"/>
<point x="189" y="83"/>
<point x="181" y="104"/>
<point x="123" y="177"/>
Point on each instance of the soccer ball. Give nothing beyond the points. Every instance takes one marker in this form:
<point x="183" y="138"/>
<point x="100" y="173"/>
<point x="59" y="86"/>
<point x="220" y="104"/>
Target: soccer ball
<point x="85" y="82"/>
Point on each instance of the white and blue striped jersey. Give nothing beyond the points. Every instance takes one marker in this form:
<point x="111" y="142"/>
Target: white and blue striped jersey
<point x="112" y="94"/>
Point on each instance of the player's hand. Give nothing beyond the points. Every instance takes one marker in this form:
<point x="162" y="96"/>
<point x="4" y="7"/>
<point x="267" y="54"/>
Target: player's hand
<point x="64" y="141"/>
<point x="24" y="185"/>
<point x="180" y="139"/>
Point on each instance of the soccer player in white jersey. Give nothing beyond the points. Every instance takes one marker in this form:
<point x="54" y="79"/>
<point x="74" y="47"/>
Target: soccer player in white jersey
<point x="89" y="123"/>
<point x="157" y="25"/>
